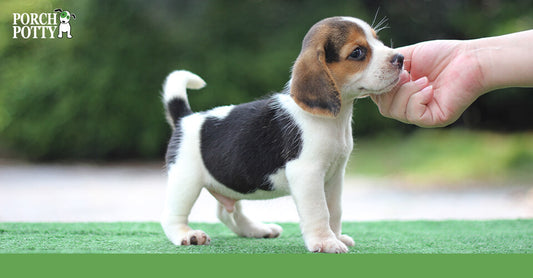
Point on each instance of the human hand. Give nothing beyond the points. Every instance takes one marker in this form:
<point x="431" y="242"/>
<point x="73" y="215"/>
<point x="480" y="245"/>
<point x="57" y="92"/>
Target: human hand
<point x="441" y="79"/>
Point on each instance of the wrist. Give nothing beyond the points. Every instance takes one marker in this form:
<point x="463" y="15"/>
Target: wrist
<point x="483" y="56"/>
<point x="504" y="61"/>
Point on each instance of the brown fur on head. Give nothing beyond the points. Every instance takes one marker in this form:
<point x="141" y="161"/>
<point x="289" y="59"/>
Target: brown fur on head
<point x="328" y="64"/>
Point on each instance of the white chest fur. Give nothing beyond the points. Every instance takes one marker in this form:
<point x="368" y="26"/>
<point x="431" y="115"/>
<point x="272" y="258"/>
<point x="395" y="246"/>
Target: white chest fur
<point x="326" y="141"/>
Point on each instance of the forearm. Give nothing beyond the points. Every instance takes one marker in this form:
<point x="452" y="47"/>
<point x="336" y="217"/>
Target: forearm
<point x="505" y="61"/>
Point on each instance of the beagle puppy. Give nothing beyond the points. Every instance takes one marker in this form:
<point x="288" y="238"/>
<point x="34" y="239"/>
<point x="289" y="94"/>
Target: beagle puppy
<point x="295" y="142"/>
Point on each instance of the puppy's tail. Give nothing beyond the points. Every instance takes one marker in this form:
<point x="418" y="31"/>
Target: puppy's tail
<point x="175" y="94"/>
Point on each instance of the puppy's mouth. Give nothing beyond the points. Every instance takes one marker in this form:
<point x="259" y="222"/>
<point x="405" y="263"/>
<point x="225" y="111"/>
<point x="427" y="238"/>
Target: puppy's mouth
<point x="385" y="89"/>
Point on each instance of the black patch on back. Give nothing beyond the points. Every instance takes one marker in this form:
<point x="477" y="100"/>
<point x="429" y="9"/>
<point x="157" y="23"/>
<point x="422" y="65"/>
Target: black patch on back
<point x="253" y="141"/>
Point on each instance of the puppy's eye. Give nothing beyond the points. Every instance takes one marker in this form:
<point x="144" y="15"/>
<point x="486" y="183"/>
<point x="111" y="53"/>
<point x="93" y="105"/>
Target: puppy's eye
<point x="358" y="54"/>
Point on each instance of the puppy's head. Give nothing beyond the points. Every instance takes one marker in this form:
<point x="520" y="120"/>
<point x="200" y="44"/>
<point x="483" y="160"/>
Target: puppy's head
<point x="342" y="58"/>
<point x="65" y="16"/>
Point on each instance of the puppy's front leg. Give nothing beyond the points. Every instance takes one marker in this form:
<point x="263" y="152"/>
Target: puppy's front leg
<point x="333" y="197"/>
<point x="307" y="188"/>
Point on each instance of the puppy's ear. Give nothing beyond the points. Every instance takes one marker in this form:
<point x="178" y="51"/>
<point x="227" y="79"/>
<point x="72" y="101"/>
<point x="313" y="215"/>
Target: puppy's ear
<point x="312" y="86"/>
<point x="57" y="10"/>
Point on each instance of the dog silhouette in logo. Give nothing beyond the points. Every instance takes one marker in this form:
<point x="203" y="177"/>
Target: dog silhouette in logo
<point x="64" y="26"/>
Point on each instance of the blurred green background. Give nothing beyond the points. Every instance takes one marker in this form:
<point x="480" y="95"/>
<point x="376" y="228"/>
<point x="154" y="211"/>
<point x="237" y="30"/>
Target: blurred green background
<point x="96" y="96"/>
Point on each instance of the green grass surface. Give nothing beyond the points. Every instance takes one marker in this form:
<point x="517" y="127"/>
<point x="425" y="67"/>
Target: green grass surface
<point x="440" y="156"/>
<point x="386" y="237"/>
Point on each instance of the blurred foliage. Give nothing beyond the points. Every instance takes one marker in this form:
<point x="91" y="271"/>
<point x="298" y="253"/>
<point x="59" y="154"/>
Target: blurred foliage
<point x="446" y="157"/>
<point x="96" y="96"/>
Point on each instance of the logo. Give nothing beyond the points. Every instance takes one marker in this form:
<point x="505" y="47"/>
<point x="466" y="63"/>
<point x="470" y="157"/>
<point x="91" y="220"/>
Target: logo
<point x="43" y="25"/>
<point x="64" y="26"/>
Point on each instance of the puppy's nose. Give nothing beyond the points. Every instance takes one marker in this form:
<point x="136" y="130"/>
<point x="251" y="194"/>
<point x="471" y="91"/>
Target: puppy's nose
<point x="397" y="60"/>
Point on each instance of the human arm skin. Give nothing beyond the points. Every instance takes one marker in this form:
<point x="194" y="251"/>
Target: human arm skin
<point x="442" y="78"/>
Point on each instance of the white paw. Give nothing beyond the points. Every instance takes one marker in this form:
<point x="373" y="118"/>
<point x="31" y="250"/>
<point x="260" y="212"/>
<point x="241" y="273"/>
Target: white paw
<point x="346" y="240"/>
<point x="274" y="231"/>
<point x="261" y="230"/>
<point x="327" y="245"/>
<point x="195" y="237"/>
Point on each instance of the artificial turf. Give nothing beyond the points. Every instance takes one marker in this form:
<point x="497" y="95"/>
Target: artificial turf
<point x="384" y="237"/>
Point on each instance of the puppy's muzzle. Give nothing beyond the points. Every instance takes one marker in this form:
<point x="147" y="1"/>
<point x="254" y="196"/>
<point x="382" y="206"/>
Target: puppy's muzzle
<point x="397" y="61"/>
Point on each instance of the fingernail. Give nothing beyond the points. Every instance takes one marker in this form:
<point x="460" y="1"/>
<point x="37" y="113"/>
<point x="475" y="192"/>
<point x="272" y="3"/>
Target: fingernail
<point x="421" y="81"/>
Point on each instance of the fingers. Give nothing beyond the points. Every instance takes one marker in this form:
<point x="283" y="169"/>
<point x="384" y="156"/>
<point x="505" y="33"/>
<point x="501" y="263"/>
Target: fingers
<point x="417" y="111"/>
<point x="400" y="104"/>
<point x="384" y="101"/>
<point x="399" y="107"/>
<point x="407" y="52"/>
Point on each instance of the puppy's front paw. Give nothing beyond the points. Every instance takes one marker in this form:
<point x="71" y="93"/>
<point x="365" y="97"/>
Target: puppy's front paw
<point x="346" y="240"/>
<point x="327" y="245"/>
<point x="195" y="237"/>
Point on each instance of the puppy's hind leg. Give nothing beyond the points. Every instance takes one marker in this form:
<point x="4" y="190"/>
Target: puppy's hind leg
<point x="244" y="226"/>
<point x="183" y="189"/>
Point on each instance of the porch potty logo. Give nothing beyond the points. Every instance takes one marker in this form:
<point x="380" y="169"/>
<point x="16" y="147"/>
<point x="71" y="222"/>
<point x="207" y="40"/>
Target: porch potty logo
<point x="43" y="25"/>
